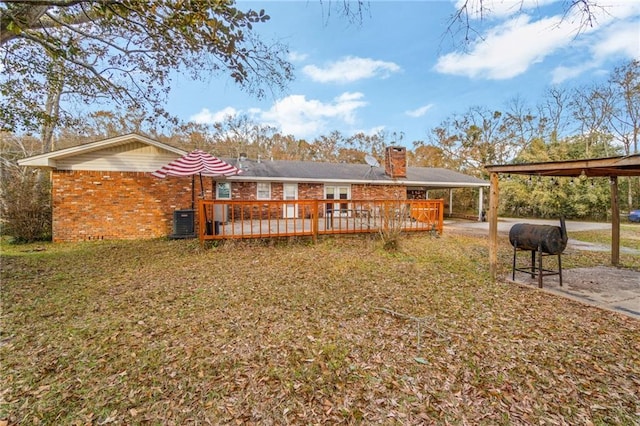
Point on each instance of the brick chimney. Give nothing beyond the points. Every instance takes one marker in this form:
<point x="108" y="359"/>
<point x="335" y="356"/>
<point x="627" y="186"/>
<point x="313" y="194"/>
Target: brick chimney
<point x="395" y="162"/>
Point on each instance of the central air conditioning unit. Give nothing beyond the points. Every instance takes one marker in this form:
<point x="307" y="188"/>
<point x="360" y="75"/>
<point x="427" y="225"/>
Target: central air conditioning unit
<point x="184" y="224"/>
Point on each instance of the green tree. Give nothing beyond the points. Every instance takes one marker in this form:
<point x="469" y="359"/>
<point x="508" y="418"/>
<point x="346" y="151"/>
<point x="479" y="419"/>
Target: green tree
<point x="25" y="199"/>
<point x="592" y="108"/>
<point x="368" y="144"/>
<point x="427" y="155"/>
<point x="124" y="52"/>
<point x="624" y="120"/>
<point x="578" y="198"/>
<point x="474" y="139"/>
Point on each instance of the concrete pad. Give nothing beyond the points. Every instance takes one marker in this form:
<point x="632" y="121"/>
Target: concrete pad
<point x="610" y="288"/>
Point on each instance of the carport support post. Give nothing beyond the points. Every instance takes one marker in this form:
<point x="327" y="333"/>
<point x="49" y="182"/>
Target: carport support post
<point x="615" y="222"/>
<point x="493" y="225"/>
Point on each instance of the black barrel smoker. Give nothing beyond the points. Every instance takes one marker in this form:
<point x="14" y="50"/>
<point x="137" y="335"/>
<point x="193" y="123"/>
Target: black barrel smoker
<point x="546" y="240"/>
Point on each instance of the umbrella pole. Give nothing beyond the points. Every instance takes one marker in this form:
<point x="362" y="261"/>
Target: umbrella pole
<point x="193" y="195"/>
<point x="206" y="220"/>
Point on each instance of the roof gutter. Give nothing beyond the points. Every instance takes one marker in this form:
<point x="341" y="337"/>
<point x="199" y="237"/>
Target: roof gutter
<point x="241" y="178"/>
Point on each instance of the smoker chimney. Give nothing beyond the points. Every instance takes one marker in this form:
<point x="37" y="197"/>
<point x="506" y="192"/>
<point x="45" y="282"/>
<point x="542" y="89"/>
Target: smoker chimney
<point x="395" y="162"/>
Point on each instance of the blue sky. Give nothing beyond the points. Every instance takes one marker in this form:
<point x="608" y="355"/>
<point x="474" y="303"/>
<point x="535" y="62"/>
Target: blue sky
<point x="398" y="70"/>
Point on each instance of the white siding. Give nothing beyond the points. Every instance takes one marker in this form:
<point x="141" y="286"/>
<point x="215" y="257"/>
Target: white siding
<point x="128" y="157"/>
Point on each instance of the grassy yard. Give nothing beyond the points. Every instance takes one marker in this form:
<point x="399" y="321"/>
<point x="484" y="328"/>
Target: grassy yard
<point x="629" y="236"/>
<point x="163" y="332"/>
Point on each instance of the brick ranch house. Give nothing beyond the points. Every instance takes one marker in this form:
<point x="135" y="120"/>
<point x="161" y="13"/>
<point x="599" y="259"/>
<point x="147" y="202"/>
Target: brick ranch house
<point x="105" y="190"/>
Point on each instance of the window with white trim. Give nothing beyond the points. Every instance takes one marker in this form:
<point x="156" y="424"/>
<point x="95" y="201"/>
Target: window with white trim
<point x="337" y="192"/>
<point x="223" y="190"/>
<point x="263" y="191"/>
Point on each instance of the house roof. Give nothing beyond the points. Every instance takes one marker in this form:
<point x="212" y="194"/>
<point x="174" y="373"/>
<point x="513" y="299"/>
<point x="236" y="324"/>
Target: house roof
<point x="64" y="159"/>
<point x="128" y="153"/>
<point x="51" y="159"/>
<point x="311" y="171"/>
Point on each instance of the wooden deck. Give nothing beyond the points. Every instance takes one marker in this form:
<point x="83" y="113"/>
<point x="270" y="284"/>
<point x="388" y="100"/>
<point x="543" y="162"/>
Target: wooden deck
<point x="226" y="219"/>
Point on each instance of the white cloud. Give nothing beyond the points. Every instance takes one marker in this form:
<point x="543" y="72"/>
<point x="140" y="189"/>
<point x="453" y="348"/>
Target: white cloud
<point x="509" y="49"/>
<point x="483" y="9"/>
<point x="374" y="130"/>
<point x="419" y="112"/>
<point x="297" y="115"/>
<point x="207" y="117"/>
<point x="350" y="69"/>
<point x="512" y="47"/>
<point x="303" y="117"/>
<point x="297" y="56"/>
<point x="618" y="39"/>
<point x="371" y="131"/>
<point x="562" y="73"/>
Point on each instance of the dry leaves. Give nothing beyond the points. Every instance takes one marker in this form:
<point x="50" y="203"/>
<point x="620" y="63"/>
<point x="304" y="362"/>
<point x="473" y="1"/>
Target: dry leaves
<point x="163" y="332"/>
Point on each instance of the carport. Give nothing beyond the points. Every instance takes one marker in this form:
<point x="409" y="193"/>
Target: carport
<point x="610" y="168"/>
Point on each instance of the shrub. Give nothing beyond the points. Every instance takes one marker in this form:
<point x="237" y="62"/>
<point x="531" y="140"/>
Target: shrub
<point x="25" y="205"/>
<point x="392" y="217"/>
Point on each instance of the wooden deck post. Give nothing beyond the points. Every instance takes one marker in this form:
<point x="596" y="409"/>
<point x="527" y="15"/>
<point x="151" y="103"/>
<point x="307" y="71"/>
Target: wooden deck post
<point x="493" y="225"/>
<point x="315" y="218"/>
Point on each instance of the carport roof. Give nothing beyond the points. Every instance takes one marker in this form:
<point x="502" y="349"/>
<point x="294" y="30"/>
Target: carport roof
<point x="628" y="165"/>
<point x="611" y="167"/>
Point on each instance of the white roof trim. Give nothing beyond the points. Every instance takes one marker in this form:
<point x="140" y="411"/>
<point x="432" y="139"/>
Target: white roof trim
<point x="48" y="159"/>
<point x="240" y="178"/>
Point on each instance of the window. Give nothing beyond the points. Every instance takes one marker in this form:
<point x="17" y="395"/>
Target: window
<point x="264" y="191"/>
<point x="223" y="191"/>
<point x="332" y="192"/>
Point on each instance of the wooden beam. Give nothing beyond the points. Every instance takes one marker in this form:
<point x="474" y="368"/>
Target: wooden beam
<point x="598" y="167"/>
<point x="493" y="225"/>
<point x="615" y="222"/>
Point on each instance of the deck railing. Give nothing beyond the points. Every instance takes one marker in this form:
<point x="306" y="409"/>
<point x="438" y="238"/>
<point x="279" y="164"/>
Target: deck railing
<point x="227" y="219"/>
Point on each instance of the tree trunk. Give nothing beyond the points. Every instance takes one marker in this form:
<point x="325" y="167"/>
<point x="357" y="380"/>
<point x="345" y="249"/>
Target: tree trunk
<point x="52" y="111"/>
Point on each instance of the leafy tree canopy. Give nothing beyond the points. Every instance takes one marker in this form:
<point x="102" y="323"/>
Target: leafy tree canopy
<point x="124" y="51"/>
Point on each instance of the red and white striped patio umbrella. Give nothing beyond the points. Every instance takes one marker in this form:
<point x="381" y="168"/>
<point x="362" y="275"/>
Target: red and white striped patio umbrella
<point x="197" y="162"/>
<point x="194" y="163"/>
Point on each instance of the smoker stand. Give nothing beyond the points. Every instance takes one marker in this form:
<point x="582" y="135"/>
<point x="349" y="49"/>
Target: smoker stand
<point x="533" y="270"/>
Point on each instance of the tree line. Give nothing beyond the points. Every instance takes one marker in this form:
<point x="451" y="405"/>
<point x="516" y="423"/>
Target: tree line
<point x="589" y="122"/>
<point x="601" y="120"/>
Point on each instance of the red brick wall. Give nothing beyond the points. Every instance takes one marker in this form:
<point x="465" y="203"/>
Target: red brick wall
<point x="378" y="192"/>
<point x="115" y="205"/>
<point x="395" y="162"/>
<point x="247" y="191"/>
<point x="243" y="191"/>
<point x="315" y="191"/>
<point x="310" y="191"/>
<point x="131" y="205"/>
